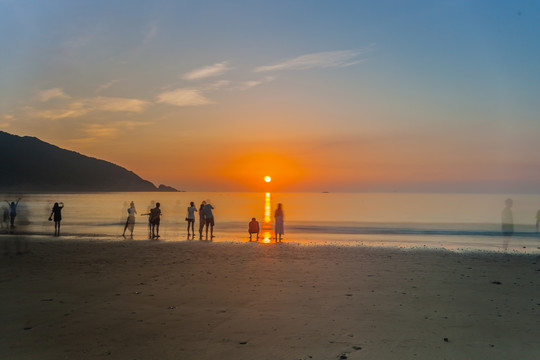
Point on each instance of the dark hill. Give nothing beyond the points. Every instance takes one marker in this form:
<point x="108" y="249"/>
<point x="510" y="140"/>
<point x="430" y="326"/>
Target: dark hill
<point x="31" y="165"/>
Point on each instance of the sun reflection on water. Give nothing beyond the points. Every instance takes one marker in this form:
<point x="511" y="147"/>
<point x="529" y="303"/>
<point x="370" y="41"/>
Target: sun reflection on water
<point x="267" y="220"/>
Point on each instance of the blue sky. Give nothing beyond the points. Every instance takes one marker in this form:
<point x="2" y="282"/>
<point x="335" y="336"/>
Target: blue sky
<point x="386" y="95"/>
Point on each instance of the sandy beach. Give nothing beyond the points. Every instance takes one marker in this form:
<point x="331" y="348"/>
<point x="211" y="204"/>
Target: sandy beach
<point x="87" y="299"/>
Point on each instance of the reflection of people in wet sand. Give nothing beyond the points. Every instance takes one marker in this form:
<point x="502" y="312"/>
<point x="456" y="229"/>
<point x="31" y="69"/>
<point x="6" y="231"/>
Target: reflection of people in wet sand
<point x="537" y="220"/>
<point x="56" y="215"/>
<point x="5" y="217"/>
<point x="12" y="211"/>
<point x="278" y="216"/>
<point x="130" y="222"/>
<point x="253" y="228"/>
<point x="507" y="222"/>
<point x="201" y="218"/>
<point x="209" y="219"/>
<point x="190" y="218"/>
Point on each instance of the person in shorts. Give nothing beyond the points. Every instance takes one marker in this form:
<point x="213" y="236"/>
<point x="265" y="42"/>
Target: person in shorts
<point x="209" y="219"/>
<point x="190" y="218"/>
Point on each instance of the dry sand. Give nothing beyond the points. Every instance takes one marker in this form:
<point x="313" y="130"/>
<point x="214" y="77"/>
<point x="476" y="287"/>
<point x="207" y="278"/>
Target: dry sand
<point x="80" y="299"/>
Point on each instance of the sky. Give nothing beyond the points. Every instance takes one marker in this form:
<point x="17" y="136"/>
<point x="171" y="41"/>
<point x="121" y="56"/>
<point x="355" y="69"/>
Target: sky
<point x="340" y="96"/>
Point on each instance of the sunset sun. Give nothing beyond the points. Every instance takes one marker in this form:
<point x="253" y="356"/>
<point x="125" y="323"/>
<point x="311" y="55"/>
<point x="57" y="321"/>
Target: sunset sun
<point x="267" y="179"/>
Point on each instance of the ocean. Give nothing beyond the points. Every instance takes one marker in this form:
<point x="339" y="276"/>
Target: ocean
<point x="458" y="222"/>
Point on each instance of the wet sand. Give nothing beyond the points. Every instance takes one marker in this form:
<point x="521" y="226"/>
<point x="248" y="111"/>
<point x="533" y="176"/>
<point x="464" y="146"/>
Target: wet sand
<point x="80" y="299"/>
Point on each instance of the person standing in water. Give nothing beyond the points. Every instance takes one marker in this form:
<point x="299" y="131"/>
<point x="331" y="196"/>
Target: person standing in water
<point x="537" y="220"/>
<point x="209" y="219"/>
<point x="56" y="215"/>
<point x="190" y="218"/>
<point x="130" y="222"/>
<point x="202" y="219"/>
<point x="155" y="219"/>
<point x="278" y="216"/>
<point x="507" y="222"/>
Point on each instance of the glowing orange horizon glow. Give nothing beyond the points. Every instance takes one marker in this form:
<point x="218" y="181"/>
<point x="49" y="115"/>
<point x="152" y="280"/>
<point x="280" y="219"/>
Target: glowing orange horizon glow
<point x="248" y="169"/>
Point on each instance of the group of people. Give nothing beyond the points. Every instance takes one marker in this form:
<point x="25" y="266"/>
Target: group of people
<point x="206" y="219"/>
<point x="254" y="228"/>
<point x="154" y="219"/>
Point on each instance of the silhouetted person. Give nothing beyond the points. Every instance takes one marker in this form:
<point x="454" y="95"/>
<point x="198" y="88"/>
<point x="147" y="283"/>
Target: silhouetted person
<point x="190" y="218"/>
<point x="202" y="219"/>
<point x="278" y="217"/>
<point x="155" y="218"/>
<point x="56" y="215"/>
<point x="130" y="222"/>
<point x="253" y="228"/>
<point x="507" y="222"/>
<point x="12" y="212"/>
<point x="209" y="219"/>
<point x="537" y="220"/>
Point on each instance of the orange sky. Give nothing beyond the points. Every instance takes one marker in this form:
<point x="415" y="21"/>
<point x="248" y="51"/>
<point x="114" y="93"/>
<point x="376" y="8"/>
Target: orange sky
<point x="213" y="96"/>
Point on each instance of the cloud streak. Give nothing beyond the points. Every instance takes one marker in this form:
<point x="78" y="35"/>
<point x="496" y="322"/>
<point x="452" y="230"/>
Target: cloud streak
<point x="183" y="97"/>
<point x="106" y="85"/>
<point x="49" y="94"/>
<point x="84" y="106"/>
<point x="207" y="71"/>
<point x="329" y="59"/>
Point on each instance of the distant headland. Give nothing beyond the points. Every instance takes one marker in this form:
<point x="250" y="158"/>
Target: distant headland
<point x="31" y="165"/>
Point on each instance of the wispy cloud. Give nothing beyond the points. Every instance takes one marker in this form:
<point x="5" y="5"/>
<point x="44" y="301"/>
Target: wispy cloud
<point x="106" y="85"/>
<point x="207" y="71"/>
<point x="216" y="85"/>
<point x="49" y="94"/>
<point x="116" y="104"/>
<point x="245" y="85"/>
<point x="183" y="97"/>
<point x="150" y="33"/>
<point x="4" y="125"/>
<point x="84" y="106"/>
<point x="73" y="110"/>
<point x="327" y="59"/>
<point x="130" y="125"/>
<point x="93" y="133"/>
<point x="95" y="130"/>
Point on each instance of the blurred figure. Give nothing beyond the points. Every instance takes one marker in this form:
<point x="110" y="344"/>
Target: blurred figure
<point x="12" y="211"/>
<point x="209" y="219"/>
<point x="130" y="222"/>
<point x="537" y="220"/>
<point x="278" y="216"/>
<point x="149" y="214"/>
<point x="155" y="219"/>
<point x="507" y="222"/>
<point x="5" y="217"/>
<point x="56" y="215"/>
<point x="191" y="210"/>
<point x="253" y="228"/>
<point x="202" y="219"/>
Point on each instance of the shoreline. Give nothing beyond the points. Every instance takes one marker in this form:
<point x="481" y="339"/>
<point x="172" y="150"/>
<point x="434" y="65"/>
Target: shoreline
<point x="203" y="300"/>
<point x="517" y="246"/>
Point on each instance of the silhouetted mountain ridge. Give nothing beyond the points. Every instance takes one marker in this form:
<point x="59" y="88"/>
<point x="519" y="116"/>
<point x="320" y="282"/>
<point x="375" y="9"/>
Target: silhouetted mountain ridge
<point x="30" y="164"/>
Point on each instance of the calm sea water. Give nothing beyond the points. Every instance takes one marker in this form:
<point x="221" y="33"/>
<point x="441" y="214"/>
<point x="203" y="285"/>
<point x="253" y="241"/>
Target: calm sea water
<point x="451" y="221"/>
